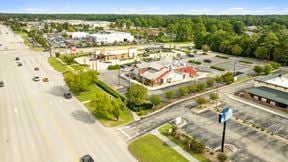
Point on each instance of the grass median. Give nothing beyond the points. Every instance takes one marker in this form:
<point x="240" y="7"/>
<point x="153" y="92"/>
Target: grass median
<point x="149" y="148"/>
<point x="57" y="65"/>
<point x="164" y="131"/>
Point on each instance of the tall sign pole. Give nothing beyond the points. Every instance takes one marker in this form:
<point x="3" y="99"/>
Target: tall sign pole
<point x="225" y="115"/>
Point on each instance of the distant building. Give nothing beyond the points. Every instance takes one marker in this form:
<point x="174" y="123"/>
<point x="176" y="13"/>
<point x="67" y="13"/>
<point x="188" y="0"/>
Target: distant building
<point x="271" y="90"/>
<point x="155" y="73"/>
<point x="79" y="35"/>
<point x="108" y="55"/>
<point x="111" y="37"/>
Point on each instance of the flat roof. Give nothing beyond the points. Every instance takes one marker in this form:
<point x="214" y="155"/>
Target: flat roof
<point x="277" y="79"/>
<point x="269" y="93"/>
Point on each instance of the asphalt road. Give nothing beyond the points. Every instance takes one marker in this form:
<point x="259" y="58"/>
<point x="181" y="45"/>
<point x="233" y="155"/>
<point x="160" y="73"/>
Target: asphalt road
<point x="37" y="123"/>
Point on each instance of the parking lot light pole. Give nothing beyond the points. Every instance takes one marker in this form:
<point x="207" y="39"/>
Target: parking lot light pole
<point x="223" y="137"/>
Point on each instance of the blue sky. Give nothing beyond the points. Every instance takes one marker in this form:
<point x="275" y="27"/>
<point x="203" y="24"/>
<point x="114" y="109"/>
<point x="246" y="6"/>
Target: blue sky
<point x="194" y="7"/>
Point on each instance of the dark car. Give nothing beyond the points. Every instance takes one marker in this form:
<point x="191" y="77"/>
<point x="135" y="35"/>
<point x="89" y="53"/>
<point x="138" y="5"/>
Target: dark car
<point x="207" y="60"/>
<point x="86" y="158"/>
<point x="190" y="55"/>
<point x="17" y="58"/>
<point x="19" y="64"/>
<point x="1" y="83"/>
<point x="36" y="68"/>
<point x="68" y="95"/>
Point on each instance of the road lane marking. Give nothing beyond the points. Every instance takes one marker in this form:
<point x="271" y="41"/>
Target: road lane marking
<point x="125" y="133"/>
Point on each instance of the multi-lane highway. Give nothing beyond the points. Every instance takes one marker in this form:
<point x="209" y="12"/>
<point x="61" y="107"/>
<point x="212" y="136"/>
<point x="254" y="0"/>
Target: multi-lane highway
<point x="37" y="123"/>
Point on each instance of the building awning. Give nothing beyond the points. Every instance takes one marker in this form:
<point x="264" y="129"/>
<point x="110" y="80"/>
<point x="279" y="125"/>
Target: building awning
<point x="270" y="94"/>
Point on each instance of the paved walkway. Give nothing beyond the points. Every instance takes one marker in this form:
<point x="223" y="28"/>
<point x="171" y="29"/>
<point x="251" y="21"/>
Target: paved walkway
<point x="174" y="146"/>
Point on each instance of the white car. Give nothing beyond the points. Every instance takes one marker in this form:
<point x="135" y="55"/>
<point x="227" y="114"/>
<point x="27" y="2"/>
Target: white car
<point x="36" y="78"/>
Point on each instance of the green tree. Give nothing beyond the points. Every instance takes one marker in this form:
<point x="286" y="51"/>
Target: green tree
<point x="155" y="100"/>
<point x="275" y="65"/>
<point x="170" y="94"/>
<point x="228" y="78"/>
<point x="236" y="50"/>
<point x="68" y="59"/>
<point x="136" y="94"/>
<point x="192" y="88"/>
<point x="183" y="91"/>
<point x="219" y="79"/>
<point x="262" y="52"/>
<point x="205" y="48"/>
<point x="102" y="104"/>
<point x="258" y="69"/>
<point x="117" y="106"/>
<point x="268" y="69"/>
<point x="196" y="146"/>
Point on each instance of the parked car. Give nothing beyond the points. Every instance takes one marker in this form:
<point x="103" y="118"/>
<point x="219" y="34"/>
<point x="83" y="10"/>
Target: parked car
<point x="68" y="95"/>
<point x="19" y="64"/>
<point x="1" y="83"/>
<point x="86" y="158"/>
<point x="17" y="58"/>
<point x="207" y="60"/>
<point x="36" y="78"/>
<point x="36" y="68"/>
<point x="190" y="55"/>
<point x="45" y="80"/>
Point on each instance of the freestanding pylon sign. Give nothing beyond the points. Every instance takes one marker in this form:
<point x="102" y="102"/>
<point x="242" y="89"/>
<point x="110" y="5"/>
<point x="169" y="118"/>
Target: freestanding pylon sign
<point x="225" y="115"/>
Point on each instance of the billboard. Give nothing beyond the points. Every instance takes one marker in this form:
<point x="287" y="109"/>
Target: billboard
<point x="225" y="115"/>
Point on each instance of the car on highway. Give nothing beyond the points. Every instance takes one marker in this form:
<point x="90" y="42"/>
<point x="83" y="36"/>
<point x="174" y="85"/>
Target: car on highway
<point x="36" y="78"/>
<point x="86" y="158"/>
<point x="0" y="44"/>
<point x="19" y="64"/>
<point x="36" y="68"/>
<point x="68" y="95"/>
<point x="45" y="80"/>
<point x="17" y="58"/>
<point x="1" y="83"/>
<point x="207" y="60"/>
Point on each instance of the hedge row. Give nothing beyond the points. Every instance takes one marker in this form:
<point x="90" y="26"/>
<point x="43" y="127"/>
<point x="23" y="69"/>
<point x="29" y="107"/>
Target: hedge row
<point x="195" y="62"/>
<point x="223" y="57"/>
<point x="109" y="90"/>
<point x="114" y="67"/>
<point x="246" y="62"/>
<point x="217" y="68"/>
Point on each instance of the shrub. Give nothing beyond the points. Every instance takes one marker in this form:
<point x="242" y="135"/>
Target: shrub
<point x="192" y="88"/>
<point x="68" y="59"/>
<point x="211" y="82"/>
<point x="268" y="69"/>
<point x="223" y="57"/>
<point x="246" y="62"/>
<point x="217" y="68"/>
<point x="155" y="100"/>
<point x="228" y="78"/>
<point x="170" y="94"/>
<point x="258" y="69"/>
<point x="222" y="157"/>
<point x="183" y="91"/>
<point x="201" y="100"/>
<point x="201" y="87"/>
<point x="57" y="54"/>
<point x="141" y="107"/>
<point x="197" y="146"/>
<point x="114" y="67"/>
<point x="195" y="62"/>
<point x="275" y="65"/>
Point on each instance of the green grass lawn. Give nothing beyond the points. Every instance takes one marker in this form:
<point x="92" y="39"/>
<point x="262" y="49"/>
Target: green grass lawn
<point x="164" y="130"/>
<point x="58" y="66"/>
<point x="78" y="67"/>
<point x="149" y="148"/>
<point x="24" y="36"/>
<point x="89" y="95"/>
<point x="125" y="117"/>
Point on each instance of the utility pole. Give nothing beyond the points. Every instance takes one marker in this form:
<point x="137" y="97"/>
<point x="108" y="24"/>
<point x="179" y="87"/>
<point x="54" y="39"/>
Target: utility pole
<point x="223" y="137"/>
<point x="234" y="69"/>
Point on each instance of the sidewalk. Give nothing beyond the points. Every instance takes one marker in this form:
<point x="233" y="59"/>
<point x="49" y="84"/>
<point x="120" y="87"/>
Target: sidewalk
<point x="174" y="146"/>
